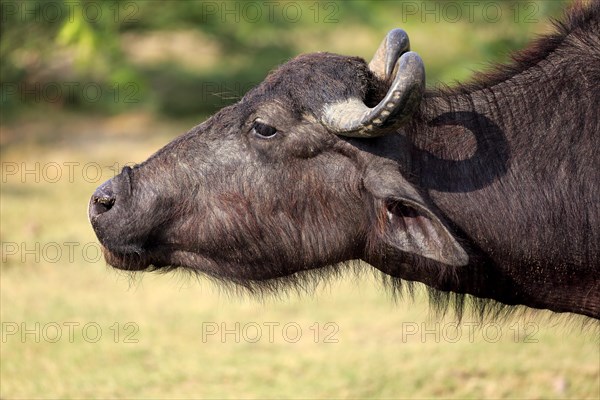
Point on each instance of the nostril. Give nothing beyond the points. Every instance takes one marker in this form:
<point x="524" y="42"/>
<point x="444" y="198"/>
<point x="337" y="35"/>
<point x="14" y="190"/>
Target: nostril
<point x="103" y="199"/>
<point x="103" y="204"/>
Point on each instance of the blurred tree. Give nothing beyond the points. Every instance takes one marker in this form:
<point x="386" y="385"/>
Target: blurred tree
<point x="115" y="55"/>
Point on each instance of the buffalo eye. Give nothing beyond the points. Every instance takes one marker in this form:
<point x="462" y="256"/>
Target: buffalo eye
<point x="262" y="130"/>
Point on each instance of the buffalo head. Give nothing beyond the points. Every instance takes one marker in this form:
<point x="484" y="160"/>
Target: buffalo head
<point x="300" y="174"/>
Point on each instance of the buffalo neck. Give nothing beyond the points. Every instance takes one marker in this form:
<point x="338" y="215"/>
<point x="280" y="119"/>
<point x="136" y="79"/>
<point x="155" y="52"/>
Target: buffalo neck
<point x="510" y="165"/>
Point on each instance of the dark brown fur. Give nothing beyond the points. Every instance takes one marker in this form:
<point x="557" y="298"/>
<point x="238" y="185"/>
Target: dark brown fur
<point x="506" y="168"/>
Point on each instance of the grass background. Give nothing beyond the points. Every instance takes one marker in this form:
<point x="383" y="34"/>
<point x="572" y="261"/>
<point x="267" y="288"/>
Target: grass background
<point x="153" y="341"/>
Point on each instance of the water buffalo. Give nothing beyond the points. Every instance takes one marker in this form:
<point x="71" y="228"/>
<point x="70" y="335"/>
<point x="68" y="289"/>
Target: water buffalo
<point x="488" y="190"/>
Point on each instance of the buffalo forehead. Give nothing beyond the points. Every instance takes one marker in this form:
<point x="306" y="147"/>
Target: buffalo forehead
<point x="309" y="81"/>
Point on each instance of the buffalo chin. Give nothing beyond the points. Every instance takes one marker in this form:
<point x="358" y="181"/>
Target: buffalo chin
<point x="126" y="262"/>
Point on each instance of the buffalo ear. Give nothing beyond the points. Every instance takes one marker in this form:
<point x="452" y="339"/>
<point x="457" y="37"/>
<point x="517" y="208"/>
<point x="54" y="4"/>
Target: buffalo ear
<point x="405" y="222"/>
<point x="411" y="227"/>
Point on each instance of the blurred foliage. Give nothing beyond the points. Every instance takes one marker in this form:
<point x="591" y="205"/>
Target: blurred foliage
<point x="193" y="57"/>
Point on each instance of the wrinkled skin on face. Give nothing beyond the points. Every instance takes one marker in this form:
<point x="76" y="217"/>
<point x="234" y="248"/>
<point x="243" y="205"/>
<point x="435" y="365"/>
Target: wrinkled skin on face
<point x="262" y="190"/>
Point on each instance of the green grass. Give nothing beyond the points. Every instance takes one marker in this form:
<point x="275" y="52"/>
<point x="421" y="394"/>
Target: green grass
<point x="380" y="349"/>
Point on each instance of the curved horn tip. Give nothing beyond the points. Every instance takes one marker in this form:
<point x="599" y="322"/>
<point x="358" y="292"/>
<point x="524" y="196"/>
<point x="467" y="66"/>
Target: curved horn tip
<point x="394" y="44"/>
<point x="398" y="39"/>
<point x="411" y="64"/>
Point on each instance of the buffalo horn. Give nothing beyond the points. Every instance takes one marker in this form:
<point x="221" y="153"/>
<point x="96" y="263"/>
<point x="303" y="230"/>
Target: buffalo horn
<point x="352" y="118"/>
